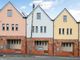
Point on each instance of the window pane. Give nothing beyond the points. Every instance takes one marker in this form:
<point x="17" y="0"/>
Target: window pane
<point x="44" y="29"/>
<point x="3" y="27"/>
<point x="9" y="13"/>
<point x="12" y="27"/>
<point x="67" y="31"/>
<point x="38" y="15"/>
<point x="70" y="31"/>
<point x="64" y="18"/>
<point x="7" y="27"/>
<point x="41" y="29"/>
<point x="36" y="29"/>
<point x="32" y="28"/>
<point x="16" y="27"/>
<point x="59" y="30"/>
<point x="63" y="31"/>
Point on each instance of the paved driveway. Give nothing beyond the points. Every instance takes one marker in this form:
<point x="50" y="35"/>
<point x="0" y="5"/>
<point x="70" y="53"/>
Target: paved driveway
<point x="39" y="58"/>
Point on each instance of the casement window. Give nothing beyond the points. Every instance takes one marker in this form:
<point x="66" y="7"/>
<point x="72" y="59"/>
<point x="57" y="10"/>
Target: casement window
<point x="44" y="29"/>
<point x="3" y="27"/>
<point x="32" y="28"/>
<point x="69" y="31"/>
<point x="41" y="45"/>
<point x="67" y="47"/>
<point x="38" y="16"/>
<point x="61" y="31"/>
<point x="16" y="27"/>
<point x="7" y="27"/>
<point x="14" y="43"/>
<point x="65" y="18"/>
<point x="41" y="29"/>
<point x="36" y="29"/>
<point x="9" y="13"/>
<point x="12" y="27"/>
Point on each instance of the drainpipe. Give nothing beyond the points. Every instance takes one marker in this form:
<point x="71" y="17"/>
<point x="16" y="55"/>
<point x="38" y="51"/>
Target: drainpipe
<point x="25" y="29"/>
<point x="78" y="37"/>
<point x="30" y="48"/>
<point x="53" y="38"/>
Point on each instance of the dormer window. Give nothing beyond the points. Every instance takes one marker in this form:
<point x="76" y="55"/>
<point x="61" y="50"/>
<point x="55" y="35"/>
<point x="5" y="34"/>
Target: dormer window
<point x="38" y="16"/>
<point x="9" y="13"/>
<point x="65" y="18"/>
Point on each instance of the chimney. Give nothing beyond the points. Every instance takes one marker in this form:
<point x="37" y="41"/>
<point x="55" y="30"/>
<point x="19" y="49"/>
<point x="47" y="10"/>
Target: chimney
<point x="33" y="6"/>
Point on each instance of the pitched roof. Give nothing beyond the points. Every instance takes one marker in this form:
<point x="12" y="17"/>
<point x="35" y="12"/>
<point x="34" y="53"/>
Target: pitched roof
<point x="12" y="6"/>
<point x="62" y="12"/>
<point x="38" y="6"/>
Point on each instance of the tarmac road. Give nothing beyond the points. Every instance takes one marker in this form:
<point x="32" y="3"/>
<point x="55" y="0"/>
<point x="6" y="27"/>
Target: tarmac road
<point x="39" y="58"/>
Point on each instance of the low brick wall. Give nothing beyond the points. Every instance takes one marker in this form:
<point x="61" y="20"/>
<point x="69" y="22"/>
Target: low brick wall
<point x="30" y="42"/>
<point x="3" y="41"/>
<point x="59" y="52"/>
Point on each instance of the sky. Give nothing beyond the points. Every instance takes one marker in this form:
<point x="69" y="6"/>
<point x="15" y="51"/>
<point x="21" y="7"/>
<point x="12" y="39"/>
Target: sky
<point x="51" y="7"/>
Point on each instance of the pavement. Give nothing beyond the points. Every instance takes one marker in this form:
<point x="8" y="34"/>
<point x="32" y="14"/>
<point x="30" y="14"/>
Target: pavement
<point x="38" y="58"/>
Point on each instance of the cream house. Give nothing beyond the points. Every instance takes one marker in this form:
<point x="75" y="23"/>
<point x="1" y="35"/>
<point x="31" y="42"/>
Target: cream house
<point x="65" y="34"/>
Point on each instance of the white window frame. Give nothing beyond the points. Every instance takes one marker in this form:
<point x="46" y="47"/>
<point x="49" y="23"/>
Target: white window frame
<point x="38" y="15"/>
<point x="9" y="13"/>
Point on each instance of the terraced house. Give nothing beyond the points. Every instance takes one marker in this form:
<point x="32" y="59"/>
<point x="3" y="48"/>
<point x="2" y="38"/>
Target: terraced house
<point x="37" y="33"/>
<point x="65" y="35"/>
<point x="40" y="32"/>
<point x="12" y="32"/>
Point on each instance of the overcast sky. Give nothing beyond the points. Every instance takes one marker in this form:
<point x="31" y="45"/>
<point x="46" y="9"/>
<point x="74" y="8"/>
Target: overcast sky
<point x="52" y="7"/>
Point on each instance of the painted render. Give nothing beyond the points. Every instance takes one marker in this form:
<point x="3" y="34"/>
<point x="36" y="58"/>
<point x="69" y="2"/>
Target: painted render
<point x="71" y="39"/>
<point x="71" y="23"/>
<point x="52" y="36"/>
<point x="44" y="21"/>
<point x="16" y="18"/>
<point x="14" y="36"/>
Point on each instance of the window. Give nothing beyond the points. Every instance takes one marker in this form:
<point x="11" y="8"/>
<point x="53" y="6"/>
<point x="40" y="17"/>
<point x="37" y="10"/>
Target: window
<point x="12" y="43"/>
<point x="44" y="29"/>
<point x="63" y="31"/>
<point x="16" y="26"/>
<point x="12" y="27"/>
<point x="36" y="29"/>
<point x="38" y="15"/>
<point x="59" y="30"/>
<point x="9" y="13"/>
<point x="65" y="18"/>
<point x="67" y="46"/>
<point x="41" y="29"/>
<point x="41" y="45"/>
<point x="7" y="27"/>
<point x="67" y="31"/>
<point x="3" y="27"/>
<point x="70" y="31"/>
<point x="32" y="28"/>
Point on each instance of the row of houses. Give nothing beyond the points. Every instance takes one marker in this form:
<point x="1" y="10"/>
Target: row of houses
<point x="37" y="33"/>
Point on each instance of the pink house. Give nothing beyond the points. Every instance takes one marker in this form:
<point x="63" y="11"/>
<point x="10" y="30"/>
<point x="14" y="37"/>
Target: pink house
<point x="12" y="31"/>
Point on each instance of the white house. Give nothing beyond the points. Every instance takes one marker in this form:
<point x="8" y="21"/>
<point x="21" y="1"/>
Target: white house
<point x="42" y="24"/>
<point x="40" y="30"/>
